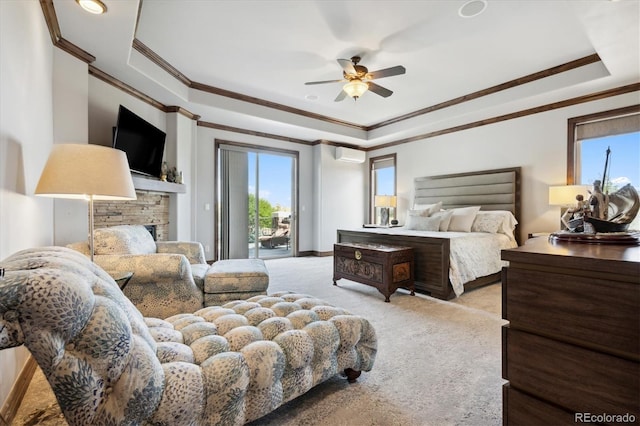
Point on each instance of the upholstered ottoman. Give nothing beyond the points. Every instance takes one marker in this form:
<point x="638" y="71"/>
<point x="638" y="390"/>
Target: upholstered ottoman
<point x="233" y="279"/>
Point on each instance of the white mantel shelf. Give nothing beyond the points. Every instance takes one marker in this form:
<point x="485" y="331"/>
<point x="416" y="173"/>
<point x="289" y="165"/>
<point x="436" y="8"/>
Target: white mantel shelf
<point x="147" y="184"/>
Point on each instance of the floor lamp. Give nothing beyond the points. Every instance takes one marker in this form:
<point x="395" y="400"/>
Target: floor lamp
<point x="84" y="171"/>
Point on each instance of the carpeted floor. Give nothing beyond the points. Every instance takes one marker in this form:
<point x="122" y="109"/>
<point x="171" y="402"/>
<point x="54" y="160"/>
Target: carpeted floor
<point x="438" y="363"/>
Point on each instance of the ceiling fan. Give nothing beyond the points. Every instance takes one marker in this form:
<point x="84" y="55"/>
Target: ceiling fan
<point x="359" y="78"/>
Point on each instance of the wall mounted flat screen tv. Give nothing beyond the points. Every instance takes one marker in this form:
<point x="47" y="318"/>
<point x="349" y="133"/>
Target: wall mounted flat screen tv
<point x="141" y="141"/>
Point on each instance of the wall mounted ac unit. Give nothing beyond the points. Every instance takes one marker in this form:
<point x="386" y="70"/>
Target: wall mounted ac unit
<point x="350" y="155"/>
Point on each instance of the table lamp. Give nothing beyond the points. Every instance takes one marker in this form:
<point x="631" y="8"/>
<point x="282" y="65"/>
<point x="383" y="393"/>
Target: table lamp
<point x="85" y="171"/>
<point x="385" y="202"/>
<point x="565" y="197"/>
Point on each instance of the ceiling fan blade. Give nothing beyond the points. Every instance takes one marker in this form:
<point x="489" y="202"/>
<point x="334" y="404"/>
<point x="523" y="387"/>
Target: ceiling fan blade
<point x="341" y="96"/>
<point x="387" y="72"/>
<point x="322" y="82"/>
<point x="347" y="66"/>
<point x="379" y="90"/>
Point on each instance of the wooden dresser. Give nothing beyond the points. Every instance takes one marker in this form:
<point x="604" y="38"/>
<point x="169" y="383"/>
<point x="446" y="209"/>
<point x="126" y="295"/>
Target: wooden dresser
<point x="571" y="350"/>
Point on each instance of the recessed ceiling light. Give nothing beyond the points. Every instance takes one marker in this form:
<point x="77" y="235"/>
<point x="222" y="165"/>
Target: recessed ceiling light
<point x="93" y="6"/>
<point x="472" y="8"/>
<point x="311" y="97"/>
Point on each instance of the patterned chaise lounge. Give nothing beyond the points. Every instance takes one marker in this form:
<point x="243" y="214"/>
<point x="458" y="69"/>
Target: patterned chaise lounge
<point x="230" y="364"/>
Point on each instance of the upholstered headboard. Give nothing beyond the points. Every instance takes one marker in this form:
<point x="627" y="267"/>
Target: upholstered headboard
<point x="497" y="189"/>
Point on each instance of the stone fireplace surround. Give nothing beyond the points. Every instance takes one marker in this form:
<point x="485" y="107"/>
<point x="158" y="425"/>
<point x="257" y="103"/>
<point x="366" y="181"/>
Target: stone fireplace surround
<point x="151" y="208"/>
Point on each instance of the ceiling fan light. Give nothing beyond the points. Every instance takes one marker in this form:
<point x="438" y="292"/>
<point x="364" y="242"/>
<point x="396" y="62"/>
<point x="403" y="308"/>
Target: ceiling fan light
<point x="355" y="88"/>
<point x="93" y="6"/>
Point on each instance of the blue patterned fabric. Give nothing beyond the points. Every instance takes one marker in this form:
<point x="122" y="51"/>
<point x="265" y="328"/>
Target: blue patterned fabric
<point x="168" y="276"/>
<point x="220" y="365"/>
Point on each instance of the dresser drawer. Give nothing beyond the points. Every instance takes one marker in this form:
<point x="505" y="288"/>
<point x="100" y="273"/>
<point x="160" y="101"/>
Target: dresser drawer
<point x="522" y="409"/>
<point x="581" y="380"/>
<point x="593" y="312"/>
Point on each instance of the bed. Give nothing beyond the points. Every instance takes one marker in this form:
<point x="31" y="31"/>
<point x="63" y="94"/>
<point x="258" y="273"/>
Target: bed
<point x="443" y="259"/>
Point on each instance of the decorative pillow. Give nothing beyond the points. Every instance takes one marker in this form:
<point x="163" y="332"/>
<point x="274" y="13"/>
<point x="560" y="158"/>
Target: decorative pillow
<point x="445" y="218"/>
<point x="430" y="208"/>
<point x="508" y="226"/>
<point x="462" y="219"/>
<point x="503" y="221"/>
<point x="123" y="239"/>
<point x="417" y="212"/>
<point x="487" y="222"/>
<point x="422" y="223"/>
<point x="412" y="218"/>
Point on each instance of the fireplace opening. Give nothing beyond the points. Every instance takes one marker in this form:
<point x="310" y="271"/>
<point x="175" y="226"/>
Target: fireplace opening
<point x="153" y="231"/>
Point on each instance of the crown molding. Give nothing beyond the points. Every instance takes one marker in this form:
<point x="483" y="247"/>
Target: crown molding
<point x="182" y="111"/>
<point x="587" y="60"/>
<point x="226" y="128"/>
<point x="109" y="79"/>
<point x="518" y="114"/>
<point x="58" y="41"/>
<point x="164" y="65"/>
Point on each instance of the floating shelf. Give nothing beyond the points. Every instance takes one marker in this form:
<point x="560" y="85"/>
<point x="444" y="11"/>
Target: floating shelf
<point x="148" y="184"/>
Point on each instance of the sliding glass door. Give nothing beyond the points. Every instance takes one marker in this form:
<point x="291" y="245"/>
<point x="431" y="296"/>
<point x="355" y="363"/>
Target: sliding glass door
<point x="257" y="200"/>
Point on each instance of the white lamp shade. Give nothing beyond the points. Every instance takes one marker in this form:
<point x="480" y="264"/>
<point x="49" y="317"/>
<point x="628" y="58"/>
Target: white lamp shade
<point x="84" y="170"/>
<point x="385" y="201"/>
<point x="565" y="195"/>
<point x="355" y="88"/>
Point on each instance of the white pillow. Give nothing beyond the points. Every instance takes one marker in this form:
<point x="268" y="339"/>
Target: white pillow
<point x="431" y="208"/>
<point x="494" y="221"/>
<point x="463" y="218"/>
<point x="486" y="223"/>
<point x="445" y="218"/>
<point x="417" y="212"/>
<point x="422" y="223"/>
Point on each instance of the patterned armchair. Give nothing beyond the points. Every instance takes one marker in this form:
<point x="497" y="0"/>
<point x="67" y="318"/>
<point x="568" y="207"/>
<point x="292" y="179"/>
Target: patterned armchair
<point x="168" y="275"/>
<point x="229" y="364"/>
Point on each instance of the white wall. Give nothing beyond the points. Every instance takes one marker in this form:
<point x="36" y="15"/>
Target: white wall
<point x="26" y="137"/>
<point x="70" y="125"/>
<point x="342" y="196"/>
<point x="536" y="143"/>
<point x="179" y="147"/>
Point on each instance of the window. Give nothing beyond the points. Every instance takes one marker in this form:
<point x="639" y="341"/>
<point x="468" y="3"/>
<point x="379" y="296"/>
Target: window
<point x="591" y="137"/>
<point x="257" y="201"/>
<point x="382" y="182"/>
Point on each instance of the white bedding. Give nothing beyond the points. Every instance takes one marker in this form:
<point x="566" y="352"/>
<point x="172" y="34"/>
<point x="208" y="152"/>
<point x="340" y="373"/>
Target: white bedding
<point x="472" y="254"/>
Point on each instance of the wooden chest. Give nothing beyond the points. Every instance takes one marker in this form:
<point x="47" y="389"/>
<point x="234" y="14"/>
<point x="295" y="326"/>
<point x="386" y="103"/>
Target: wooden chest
<point x="572" y="347"/>
<point x="384" y="267"/>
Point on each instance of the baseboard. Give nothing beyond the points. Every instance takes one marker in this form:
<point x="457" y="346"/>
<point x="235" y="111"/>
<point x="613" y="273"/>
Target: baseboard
<point x="19" y="390"/>
<point x="315" y="253"/>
